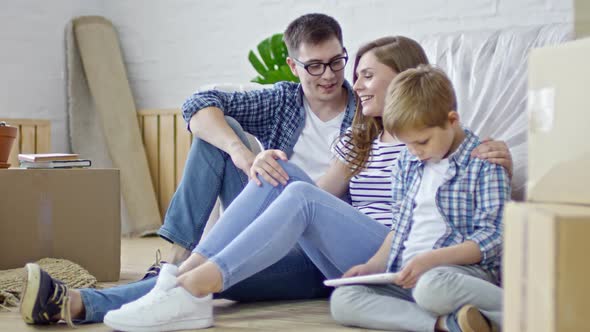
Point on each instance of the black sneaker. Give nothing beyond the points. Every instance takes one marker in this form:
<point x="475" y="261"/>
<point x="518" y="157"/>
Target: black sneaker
<point x="468" y="319"/>
<point x="154" y="269"/>
<point x="43" y="297"/>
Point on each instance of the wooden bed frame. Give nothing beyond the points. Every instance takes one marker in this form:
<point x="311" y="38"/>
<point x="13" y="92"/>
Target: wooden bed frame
<point x="167" y="143"/>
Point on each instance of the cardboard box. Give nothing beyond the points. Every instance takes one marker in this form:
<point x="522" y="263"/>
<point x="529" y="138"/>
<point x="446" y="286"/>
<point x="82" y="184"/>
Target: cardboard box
<point x="582" y="18"/>
<point x="545" y="269"/>
<point x="61" y="213"/>
<point x="558" y="138"/>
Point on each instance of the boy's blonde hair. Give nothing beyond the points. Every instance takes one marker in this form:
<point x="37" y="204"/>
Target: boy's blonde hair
<point x="418" y="98"/>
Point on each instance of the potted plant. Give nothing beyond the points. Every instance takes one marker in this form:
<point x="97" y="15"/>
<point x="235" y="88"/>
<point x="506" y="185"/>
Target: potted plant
<point x="7" y="137"/>
<point x="272" y="65"/>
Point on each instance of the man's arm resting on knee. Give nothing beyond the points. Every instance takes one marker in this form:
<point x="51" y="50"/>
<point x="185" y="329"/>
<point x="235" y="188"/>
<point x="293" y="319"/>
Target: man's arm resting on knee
<point x="209" y="125"/>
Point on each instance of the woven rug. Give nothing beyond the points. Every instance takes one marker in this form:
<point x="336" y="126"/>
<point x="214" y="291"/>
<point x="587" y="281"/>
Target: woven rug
<point x="72" y="274"/>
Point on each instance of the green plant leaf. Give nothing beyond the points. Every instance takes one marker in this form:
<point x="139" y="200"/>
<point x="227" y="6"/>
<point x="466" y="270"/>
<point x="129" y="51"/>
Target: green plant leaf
<point x="279" y="49"/>
<point x="273" y="76"/>
<point x="271" y="63"/>
<point x="259" y="80"/>
<point x="288" y="74"/>
<point x="264" y="51"/>
<point x="255" y="62"/>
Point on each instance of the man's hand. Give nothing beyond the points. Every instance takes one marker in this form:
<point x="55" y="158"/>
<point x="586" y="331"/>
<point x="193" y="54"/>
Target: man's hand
<point x="496" y="152"/>
<point x="267" y="166"/>
<point x="242" y="157"/>
<point x="415" y="268"/>
<point x="361" y="270"/>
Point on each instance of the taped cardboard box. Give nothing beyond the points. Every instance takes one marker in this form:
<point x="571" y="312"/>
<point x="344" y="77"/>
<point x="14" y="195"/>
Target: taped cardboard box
<point x="61" y="213"/>
<point x="545" y="269"/>
<point x="558" y="139"/>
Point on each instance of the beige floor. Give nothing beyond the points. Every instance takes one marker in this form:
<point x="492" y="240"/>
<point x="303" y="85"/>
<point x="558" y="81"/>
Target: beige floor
<point x="137" y="254"/>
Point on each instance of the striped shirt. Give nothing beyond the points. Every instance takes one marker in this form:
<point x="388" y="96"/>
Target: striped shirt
<point x="370" y="190"/>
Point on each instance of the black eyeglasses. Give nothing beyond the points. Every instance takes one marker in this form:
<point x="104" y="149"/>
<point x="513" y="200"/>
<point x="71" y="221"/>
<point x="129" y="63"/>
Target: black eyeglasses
<point x="319" y="68"/>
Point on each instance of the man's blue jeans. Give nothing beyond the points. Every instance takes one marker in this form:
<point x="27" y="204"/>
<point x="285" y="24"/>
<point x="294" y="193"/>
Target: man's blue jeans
<point x="209" y="173"/>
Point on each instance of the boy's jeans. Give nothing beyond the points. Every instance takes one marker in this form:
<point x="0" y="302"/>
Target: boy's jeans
<point x="439" y="292"/>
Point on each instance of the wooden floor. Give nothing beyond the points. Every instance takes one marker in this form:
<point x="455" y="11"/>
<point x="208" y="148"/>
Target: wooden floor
<point x="137" y="254"/>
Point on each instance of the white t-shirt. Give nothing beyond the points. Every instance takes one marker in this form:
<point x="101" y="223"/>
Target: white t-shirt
<point x="312" y="149"/>
<point x="428" y="224"/>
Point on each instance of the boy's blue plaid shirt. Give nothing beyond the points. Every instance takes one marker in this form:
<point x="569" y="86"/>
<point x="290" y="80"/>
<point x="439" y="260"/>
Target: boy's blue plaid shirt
<point x="471" y="203"/>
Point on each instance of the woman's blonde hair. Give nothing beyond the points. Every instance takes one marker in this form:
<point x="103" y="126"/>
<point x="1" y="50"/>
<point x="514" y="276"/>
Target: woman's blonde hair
<point x="399" y="53"/>
<point x="418" y="98"/>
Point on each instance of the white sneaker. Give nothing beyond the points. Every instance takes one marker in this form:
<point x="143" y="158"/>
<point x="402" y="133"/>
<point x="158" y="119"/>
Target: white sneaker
<point x="165" y="280"/>
<point x="170" y="310"/>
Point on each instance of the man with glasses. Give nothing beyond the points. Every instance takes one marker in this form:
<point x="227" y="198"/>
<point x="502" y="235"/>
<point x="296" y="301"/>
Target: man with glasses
<point x="293" y="121"/>
<point x="318" y="68"/>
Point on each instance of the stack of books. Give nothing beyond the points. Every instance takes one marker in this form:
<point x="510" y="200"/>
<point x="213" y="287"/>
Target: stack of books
<point x="52" y="160"/>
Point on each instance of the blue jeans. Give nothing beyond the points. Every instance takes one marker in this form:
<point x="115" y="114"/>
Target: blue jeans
<point x="210" y="172"/>
<point x="438" y="292"/>
<point x="264" y="223"/>
<point x="293" y="278"/>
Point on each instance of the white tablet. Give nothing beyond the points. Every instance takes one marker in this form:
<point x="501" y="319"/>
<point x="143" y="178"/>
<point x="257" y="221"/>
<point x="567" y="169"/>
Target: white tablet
<point x="371" y="279"/>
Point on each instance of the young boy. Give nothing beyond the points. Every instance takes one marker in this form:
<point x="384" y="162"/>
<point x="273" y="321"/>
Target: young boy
<point x="446" y="238"/>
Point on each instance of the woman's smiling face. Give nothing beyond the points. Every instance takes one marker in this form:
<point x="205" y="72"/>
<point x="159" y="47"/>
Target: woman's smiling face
<point x="372" y="82"/>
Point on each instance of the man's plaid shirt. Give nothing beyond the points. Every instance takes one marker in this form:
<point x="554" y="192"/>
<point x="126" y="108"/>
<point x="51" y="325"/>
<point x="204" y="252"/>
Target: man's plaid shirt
<point x="275" y="115"/>
<point x="471" y="203"/>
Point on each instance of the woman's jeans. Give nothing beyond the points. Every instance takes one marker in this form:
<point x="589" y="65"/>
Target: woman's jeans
<point x="264" y="223"/>
<point x="260" y="239"/>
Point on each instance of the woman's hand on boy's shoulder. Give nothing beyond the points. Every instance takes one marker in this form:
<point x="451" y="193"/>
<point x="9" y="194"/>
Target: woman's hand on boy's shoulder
<point x="496" y="152"/>
<point x="409" y="275"/>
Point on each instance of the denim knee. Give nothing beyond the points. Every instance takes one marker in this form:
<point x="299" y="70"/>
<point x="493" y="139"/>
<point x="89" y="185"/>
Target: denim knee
<point x="299" y="190"/>
<point x="237" y="128"/>
<point x="346" y="305"/>
<point x="433" y="289"/>
<point x="295" y="172"/>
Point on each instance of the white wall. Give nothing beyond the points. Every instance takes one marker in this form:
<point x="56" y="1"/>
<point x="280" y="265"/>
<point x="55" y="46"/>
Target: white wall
<point x="171" y="47"/>
<point x="32" y="60"/>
